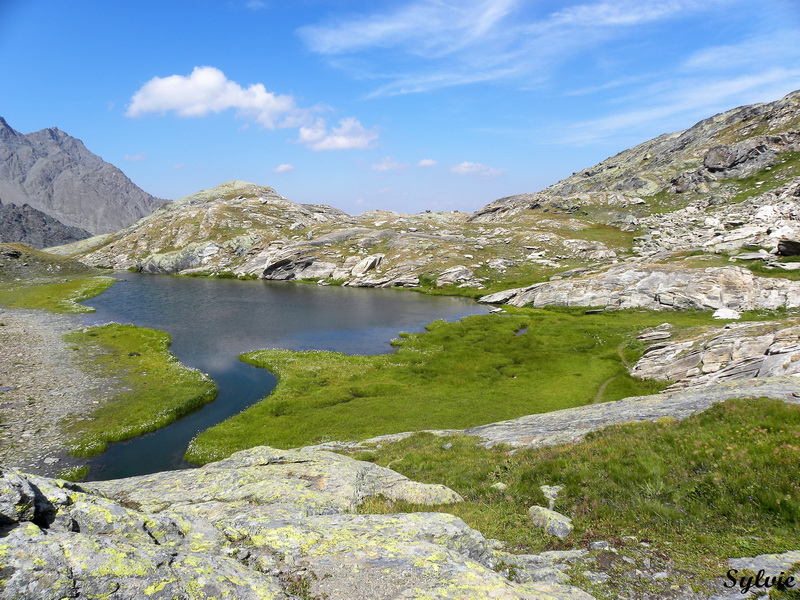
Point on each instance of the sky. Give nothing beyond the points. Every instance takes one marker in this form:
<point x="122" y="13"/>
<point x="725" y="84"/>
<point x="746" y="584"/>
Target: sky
<point x="405" y="105"/>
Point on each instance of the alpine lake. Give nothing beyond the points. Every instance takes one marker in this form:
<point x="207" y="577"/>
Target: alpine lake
<point x="213" y="321"/>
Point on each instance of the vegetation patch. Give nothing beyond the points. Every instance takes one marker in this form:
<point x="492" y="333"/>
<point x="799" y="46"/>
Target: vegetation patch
<point x="62" y="297"/>
<point x="723" y="483"/>
<point x="154" y="388"/>
<point x="479" y="370"/>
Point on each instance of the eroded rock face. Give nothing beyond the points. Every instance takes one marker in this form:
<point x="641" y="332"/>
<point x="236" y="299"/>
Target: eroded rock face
<point x="737" y="351"/>
<point x="659" y="287"/>
<point x="262" y="524"/>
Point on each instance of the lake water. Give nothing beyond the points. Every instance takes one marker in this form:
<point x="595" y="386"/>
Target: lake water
<point x="212" y="321"/>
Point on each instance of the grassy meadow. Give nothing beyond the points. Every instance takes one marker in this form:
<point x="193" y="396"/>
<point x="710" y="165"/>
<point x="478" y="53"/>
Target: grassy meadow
<point x="152" y="387"/>
<point x="725" y="482"/>
<point x="479" y="370"/>
<point x="61" y="297"/>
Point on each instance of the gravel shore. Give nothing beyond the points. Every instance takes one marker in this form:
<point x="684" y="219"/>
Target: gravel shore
<point x="41" y="384"/>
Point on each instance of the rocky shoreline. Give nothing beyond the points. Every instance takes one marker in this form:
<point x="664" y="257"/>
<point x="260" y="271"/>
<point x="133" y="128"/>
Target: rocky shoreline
<point x="41" y="384"/>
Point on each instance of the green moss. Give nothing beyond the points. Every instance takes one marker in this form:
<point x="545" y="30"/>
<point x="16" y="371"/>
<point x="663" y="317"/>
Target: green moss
<point x="155" y="389"/>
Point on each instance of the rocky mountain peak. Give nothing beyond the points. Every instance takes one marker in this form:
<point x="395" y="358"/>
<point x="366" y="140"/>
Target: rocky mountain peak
<point x="56" y="174"/>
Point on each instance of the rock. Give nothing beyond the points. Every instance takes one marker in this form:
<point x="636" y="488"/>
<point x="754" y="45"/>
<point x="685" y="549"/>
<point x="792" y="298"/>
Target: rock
<point x="189" y="257"/>
<point x="601" y="545"/>
<point x="17" y="498"/>
<point x="261" y="524"/>
<point x="659" y="287"/>
<point x="457" y="274"/>
<point x="9" y="252"/>
<point x="551" y="494"/>
<point x="366" y="264"/>
<point x="788" y="248"/>
<point x="735" y="352"/>
<point x="652" y="336"/>
<point x="726" y="313"/>
<point x="551" y="521"/>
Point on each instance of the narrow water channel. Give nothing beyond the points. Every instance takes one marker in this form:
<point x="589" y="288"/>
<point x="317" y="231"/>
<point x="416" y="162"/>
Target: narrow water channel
<point x="212" y="321"/>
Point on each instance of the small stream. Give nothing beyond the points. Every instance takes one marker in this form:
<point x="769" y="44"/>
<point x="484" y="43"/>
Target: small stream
<point x="212" y="321"/>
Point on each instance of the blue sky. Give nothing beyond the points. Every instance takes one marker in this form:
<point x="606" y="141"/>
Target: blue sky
<point x="404" y="105"/>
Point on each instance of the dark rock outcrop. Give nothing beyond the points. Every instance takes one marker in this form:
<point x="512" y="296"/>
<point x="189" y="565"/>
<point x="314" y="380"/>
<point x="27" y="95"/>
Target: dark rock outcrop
<point x="29" y="226"/>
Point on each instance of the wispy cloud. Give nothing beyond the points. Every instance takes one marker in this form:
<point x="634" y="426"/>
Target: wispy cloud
<point x="685" y="102"/>
<point x="206" y="90"/>
<point x="471" y="168"/>
<point x="388" y="164"/>
<point x="136" y="157"/>
<point x="283" y="168"/>
<point x="430" y="44"/>
<point x="428" y="27"/>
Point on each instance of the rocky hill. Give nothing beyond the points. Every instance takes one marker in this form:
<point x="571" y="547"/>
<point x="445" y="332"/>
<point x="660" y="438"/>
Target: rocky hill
<point x="721" y="187"/>
<point x="54" y="173"/>
<point x="250" y="230"/>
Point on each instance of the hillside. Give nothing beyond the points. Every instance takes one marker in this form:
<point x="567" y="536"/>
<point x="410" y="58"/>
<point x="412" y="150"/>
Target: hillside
<point x="54" y="173"/>
<point x="728" y="182"/>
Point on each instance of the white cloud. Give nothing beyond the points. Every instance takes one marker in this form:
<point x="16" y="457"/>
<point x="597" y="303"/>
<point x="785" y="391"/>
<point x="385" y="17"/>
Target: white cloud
<point x="136" y="157"/>
<point x="283" y="168"/>
<point x="255" y="4"/>
<point x="207" y="90"/>
<point x="427" y="162"/>
<point x="388" y="164"/>
<point x="178" y="166"/>
<point x="349" y="135"/>
<point x="471" y="168"/>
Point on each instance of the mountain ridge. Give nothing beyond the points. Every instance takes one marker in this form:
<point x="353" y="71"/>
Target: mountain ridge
<point x="56" y="174"/>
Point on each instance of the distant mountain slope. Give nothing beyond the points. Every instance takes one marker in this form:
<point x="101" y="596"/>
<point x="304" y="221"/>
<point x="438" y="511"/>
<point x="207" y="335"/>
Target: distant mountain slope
<point x="55" y="174"/>
<point x="33" y="227"/>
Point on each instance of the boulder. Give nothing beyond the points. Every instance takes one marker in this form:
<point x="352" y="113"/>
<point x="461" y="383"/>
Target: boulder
<point x="457" y="274"/>
<point x="366" y="264"/>
<point x="788" y="248"/>
<point x="551" y="521"/>
<point x="734" y="352"/>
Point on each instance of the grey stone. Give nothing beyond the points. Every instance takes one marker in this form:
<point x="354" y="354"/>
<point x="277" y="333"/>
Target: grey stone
<point x="255" y="526"/>
<point x="551" y="521"/>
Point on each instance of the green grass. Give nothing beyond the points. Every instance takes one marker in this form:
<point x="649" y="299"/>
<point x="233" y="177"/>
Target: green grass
<point x="60" y="297"/>
<point x="456" y="375"/>
<point x="720" y="484"/>
<point x="154" y="388"/>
